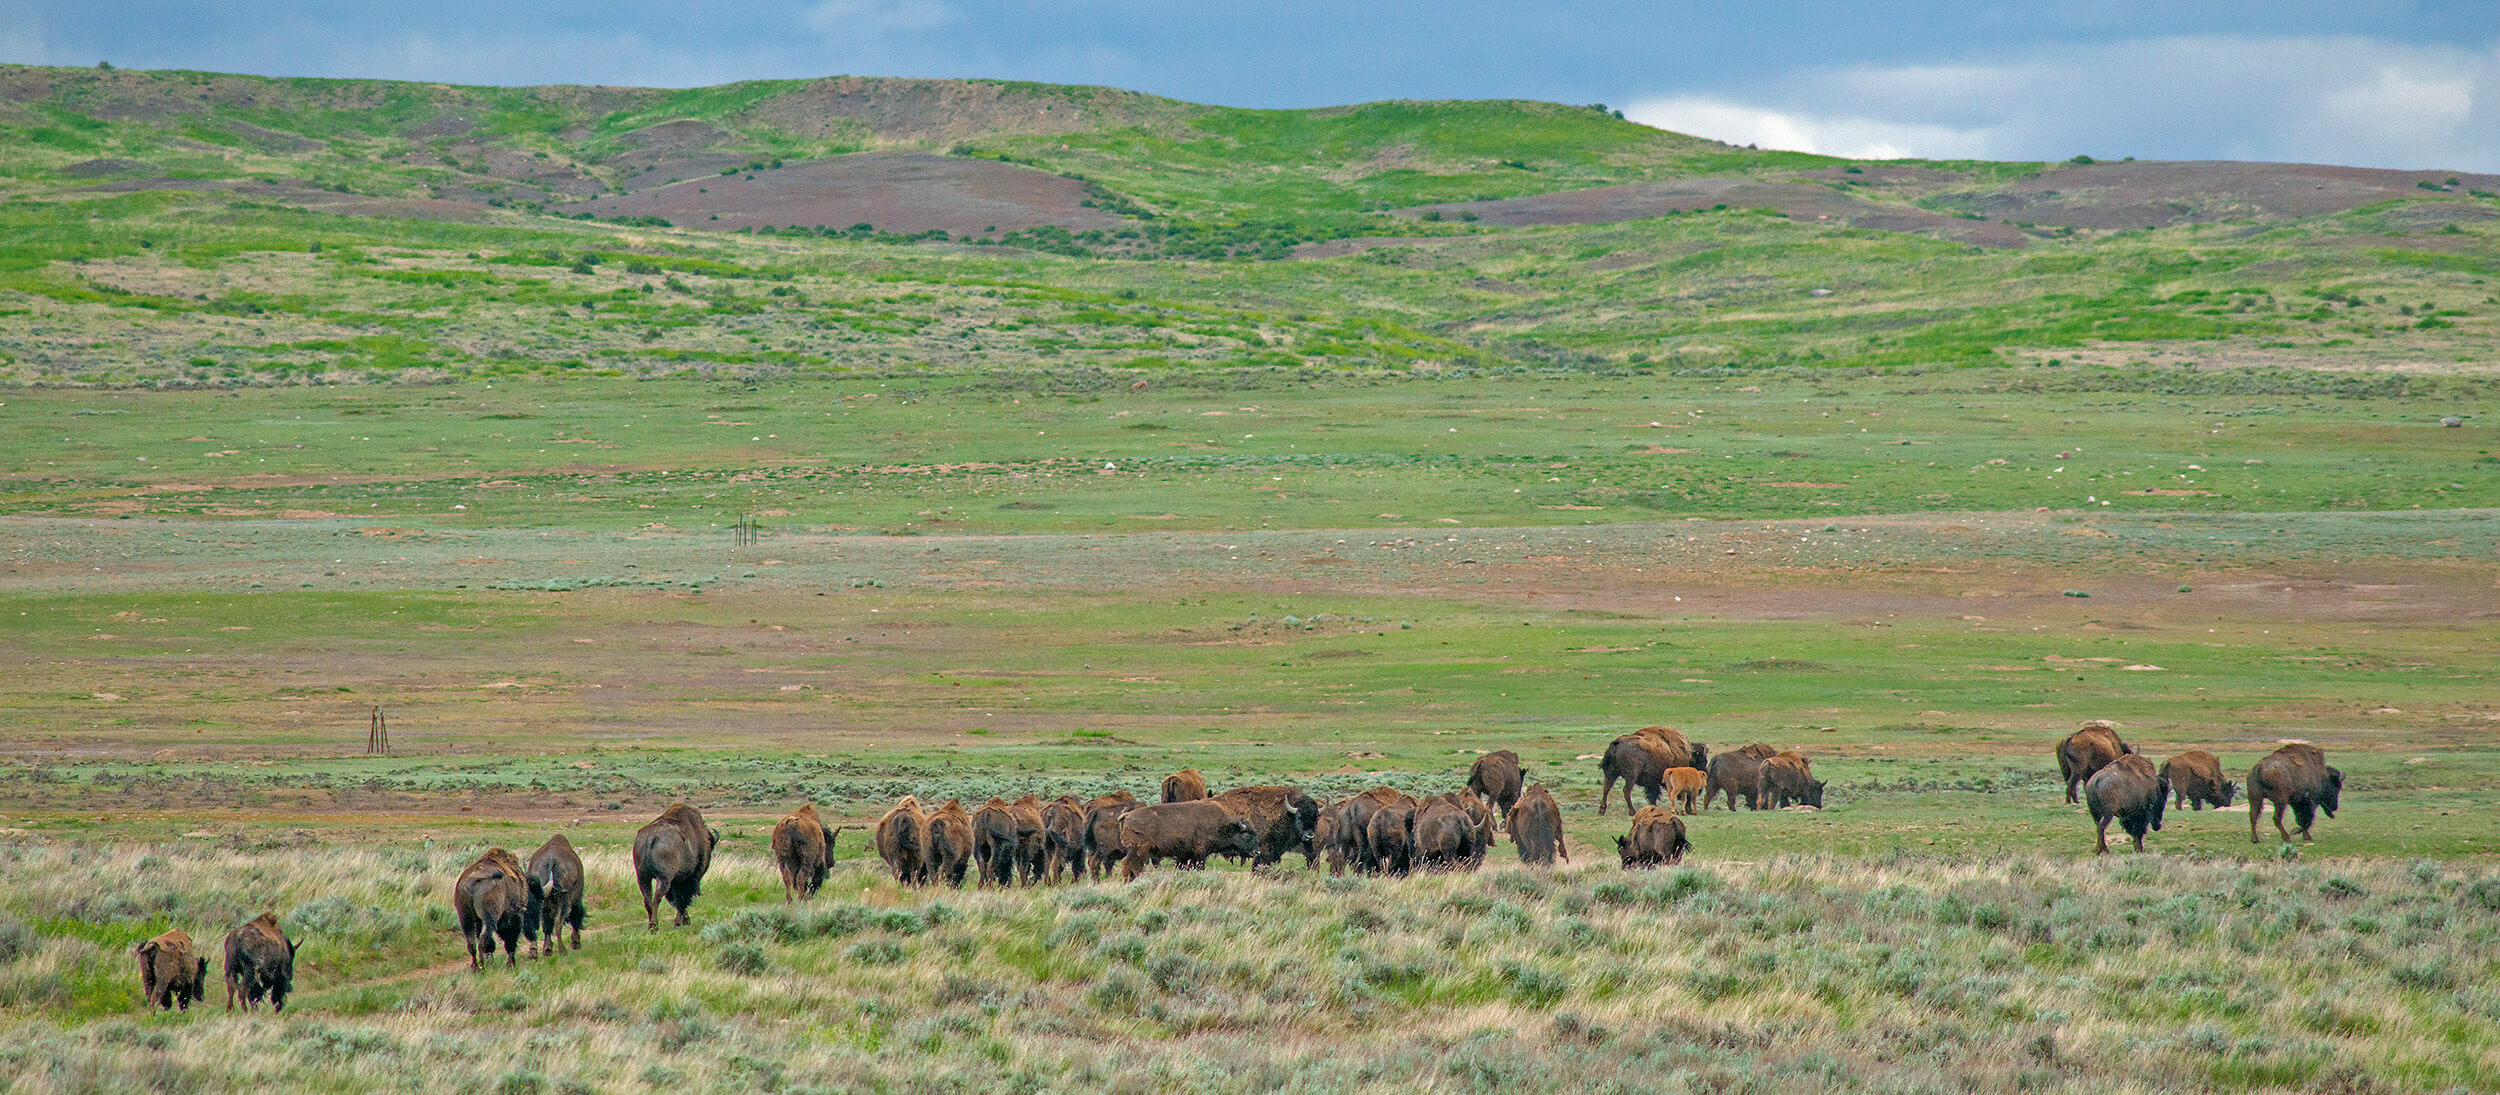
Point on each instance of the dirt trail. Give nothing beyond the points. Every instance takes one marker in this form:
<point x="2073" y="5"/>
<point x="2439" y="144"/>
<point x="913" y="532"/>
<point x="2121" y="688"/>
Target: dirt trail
<point x="439" y="969"/>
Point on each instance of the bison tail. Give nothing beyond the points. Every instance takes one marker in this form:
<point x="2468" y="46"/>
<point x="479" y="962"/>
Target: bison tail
<point x="535" y="910"/>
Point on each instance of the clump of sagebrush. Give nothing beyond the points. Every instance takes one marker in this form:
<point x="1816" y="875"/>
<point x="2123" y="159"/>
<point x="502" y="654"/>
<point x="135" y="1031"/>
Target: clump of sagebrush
<point x="1803" y="973"/>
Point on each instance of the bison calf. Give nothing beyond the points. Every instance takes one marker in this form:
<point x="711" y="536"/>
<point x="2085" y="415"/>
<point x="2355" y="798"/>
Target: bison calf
<point x="2196" y="780"/>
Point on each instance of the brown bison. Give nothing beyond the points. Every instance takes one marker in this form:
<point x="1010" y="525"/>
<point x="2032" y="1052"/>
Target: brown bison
<point x="1657" y="840"/>
<point x="1283" y="817"/>
<point x="902" y="841"/>
<point x="1328" y="838"/>
<point x="1389" y="838"/>
<point x="950" y="849"/>
<point x="2130" y="791"/>
<point x="1496" y="777"/>
<point x="171" y="972"/>
<point x="1102" y="829"/>
<point x="555" y="898"/>
<point x="260" y="963"/>
<point x="1642" y="759"/>
<point x="1032" y="842"/>
<point x="1696" y="755"/>
<point x="1447" y="836"/>
<point x="803" y="852"/>
<point x="490" y="898"/>
<point x="2196" y="778"/>
<point x="1185" y="785"/>
<point x="1737" y="773"/>
<point x="997" y="842"/>
<point x="1356" y="831"/>
<point x="671" y="856"/>
<point x="2295" y="775"/>
<point x="1536" y="827"/>
<point x="1063" y="838"/>
<point x="1685" y="787"/>
<point x="1184" y="832"/>
<point x="2085" y="751"/>
<point x="1787" y="778"/>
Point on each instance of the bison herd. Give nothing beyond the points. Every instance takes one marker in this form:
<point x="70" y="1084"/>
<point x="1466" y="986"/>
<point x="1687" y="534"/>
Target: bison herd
<point x="260" y="964"/>
<point x="2121" y="785"/>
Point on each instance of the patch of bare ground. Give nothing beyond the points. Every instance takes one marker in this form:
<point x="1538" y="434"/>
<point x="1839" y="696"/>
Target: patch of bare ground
<point x="893" y="191"/>
<point x="1797" y="201"/>
<point x="2153" y="194"/>
<point x="935" y="113"/>
<point x="2320" y="356"/>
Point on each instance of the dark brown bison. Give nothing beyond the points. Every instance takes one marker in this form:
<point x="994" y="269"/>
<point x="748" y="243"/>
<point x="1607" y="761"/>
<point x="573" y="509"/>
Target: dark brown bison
<point x="1496" y="777"/>
<point x="1390" y="838"/>
<point x="671" y="856"/>
<point x="171" y="971"/>
<point x="1063" y="838"/>
<point x="1789" y="778"/>
<point x="260" y="963"/>
<point x="1447" y="837"/>
<point x="2295" y="775"/>
<point x="490" y="899"/>
<point x="1185" y="785"/>
<point x="996" y="843"/>
<point x="1102" y="829"/>
<point x="2196" y="778"/>
<point x="1737" y="773"/>
<point x="1536" y="827"/>
<point x="1640" y="760"/>
<point x="804" y="853"/>
<point x="902" y="841"/>
<point x="1328" y="838"/>
<point x="1673" y="741"/>
<point x="2130" y="791"/>
<point x="1184" y="832"/>
<point x="1356" y="832"/>
<point x="1657" y="840"/>
<point x="1283" y="817"/>
<point x="1685" y="788"/>
<point x="2086" y="750"/>
<point x="1032" y="842"/>
<point x="555" y="898"/>
<point x="951" y="848"/>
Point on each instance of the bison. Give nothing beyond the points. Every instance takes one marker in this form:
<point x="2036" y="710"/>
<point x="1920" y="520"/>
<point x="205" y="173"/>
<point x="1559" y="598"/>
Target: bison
<point x="2295" y="775"/>
<point x="997" y="842"/>
<point x="2130" y="791"/>
<point x="1102" y="829"/>
<point x="804" y="853"/>
<point x="1671" y="741"/>
<point x="260" y="962"/>
<point x="555" y="896"/>
<point x="1184" y="832"/>
<point x="1788" y="777"/>
<point x="490" y="898"/>
<point x="671" y="856"/>
<point x="2085" y="751"/>
<point x="1328" y="838"/>
<point x="1283" y="818"/>
<point x="950" y="849"/>
<point x="1063" y="838"/>
<point x="902" y="841"/>
<point x="1736" y="773"/>
<point x="1657" y="840"/>
<point x="1185" y="785"/>
<point x="2196" y="778"/>
<point x="1356" y="831"/>
<point x="1032" y="843"/>
<point x="1641" y="759"/>
<point x="1389" y="838"/>
<point x="1685" y="788"/>
<point x="171" y="972"/>
<point x="1536" y="827"/>
<point x="1496" y="778"/>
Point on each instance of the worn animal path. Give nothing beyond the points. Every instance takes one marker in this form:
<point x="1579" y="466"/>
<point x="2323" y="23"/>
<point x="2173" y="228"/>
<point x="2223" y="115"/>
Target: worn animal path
<point x="439" y="969"/>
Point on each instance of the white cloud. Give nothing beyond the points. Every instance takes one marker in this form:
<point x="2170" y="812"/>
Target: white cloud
<point x="876" y="18"/>
<point x="2332" y="100"/>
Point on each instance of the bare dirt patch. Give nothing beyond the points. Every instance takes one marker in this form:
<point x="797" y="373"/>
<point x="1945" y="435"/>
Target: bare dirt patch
<point x="893" y="191"/>
<point x="2155" y="194"/>
<point x="1798" y="201"/>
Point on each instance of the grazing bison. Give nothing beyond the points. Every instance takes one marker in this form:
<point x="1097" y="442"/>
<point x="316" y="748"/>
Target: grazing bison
<point x="1536" y="827"/>
<point x="2196" y="778"/>
<point x="1184" y="832"/>
<point x="171" y="972"/>
<point x="1283" y="818"/>
<point x="996" y="844"/>
<point x="260" y="963"/>
<point x="902" y="841"/>
<point x="1496" y="778"/>
<point x="804" y="853"/>
<point x="1356" y="831"/>
<point x="1685" y="788"/>
<point x="1389" y="838"/>
<point x="1657" y="840"/>
<point x="950" y="848"/>
<point x="1102" y="829"/>
<point x="1063" y="838"/>
<point x="2130" y="791"/>
<point x="555" y="899"/>
<point x="2295" y="775"/>
<point x="1789" y="778"/>
<point x="2085" y="751"/>
<point x="1737" y="773"/>
<point x="490" y="899"/>
<point x="671" y="855"/>
<point x="1185" y="785"/>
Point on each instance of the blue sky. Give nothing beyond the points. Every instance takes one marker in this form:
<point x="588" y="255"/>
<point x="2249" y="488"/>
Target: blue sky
<point x="2397" y="83"/>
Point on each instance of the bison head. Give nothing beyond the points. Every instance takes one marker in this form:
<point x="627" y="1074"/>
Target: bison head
<point x="1623" y="847"/>
<point x="2229" y="791"/>
<point x="1237" y="838"/>
<point x="2334" y="791"/>
<point x="1701" y="756"/>
<point x="715" y="835"/>
<point x="1814" y="794"/>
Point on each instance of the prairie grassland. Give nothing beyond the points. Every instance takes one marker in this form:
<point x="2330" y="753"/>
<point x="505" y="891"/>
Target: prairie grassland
<point x="1799" y="972"/>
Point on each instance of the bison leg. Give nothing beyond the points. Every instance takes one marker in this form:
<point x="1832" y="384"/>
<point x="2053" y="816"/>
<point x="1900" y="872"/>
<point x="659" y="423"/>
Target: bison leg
<point x="2102" y="830"/>
<point x="2070" y="790"/>
<point x="650" y="903"/>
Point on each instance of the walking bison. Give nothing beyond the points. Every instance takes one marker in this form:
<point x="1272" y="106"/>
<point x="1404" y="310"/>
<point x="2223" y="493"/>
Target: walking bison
<point x="1496" y="777"/>
<point x="2130" y="792"/>
<point x="171" y="972"/>
<point x="950" y="848"/>
<point x="2294" y="776"/>
<point x="2196" y="780"/>
<point x="1536" y="827"/>
<point x="1102" y="830"/>
<point x="2086" y="751"/>
<point x="902" y="841"/>
<point x="671" y="856"/>
<point x="260" y="964"/>
<point x="489" y="900"/>
<point x="1283" y="817"/>
<point x="1642" y="759"/>
<point x="1685" y="788"/>
<point x="803" y="852"/>
<point x="554" y="877"/>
